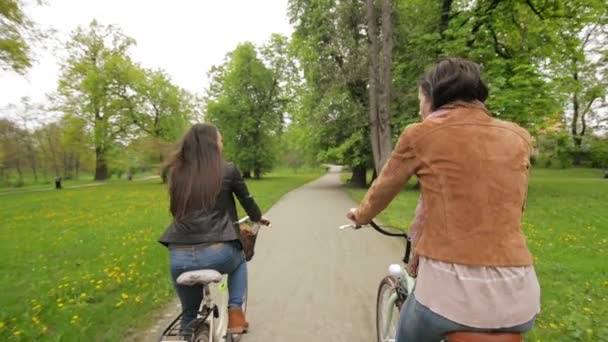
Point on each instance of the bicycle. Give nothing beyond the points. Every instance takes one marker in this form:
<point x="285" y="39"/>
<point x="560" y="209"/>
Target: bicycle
<point x="211" y="325"/>
<point x="394" y="290"/>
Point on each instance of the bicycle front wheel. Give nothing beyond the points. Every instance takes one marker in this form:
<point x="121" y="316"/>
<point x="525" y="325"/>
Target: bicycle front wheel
<point x="387" y="310"/>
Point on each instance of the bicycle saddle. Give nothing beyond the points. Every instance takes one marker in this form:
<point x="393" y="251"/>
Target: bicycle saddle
<point x="199" y="277"/>
<point x="462" y="336"/>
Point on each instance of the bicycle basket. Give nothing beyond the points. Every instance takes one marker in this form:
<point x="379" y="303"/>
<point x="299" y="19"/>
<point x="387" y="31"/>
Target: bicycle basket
<point x="248" y="238"/>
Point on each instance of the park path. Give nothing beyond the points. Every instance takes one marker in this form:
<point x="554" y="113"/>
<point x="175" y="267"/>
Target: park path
<point x="308" y="280"/>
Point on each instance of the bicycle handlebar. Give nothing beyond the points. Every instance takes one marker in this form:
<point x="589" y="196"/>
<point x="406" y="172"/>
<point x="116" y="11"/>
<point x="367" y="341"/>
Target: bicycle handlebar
<point x="246" y="218"/>
<point x="408" y="243"/>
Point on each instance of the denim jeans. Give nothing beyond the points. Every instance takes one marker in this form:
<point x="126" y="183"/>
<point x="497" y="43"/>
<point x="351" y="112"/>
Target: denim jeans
<point x="418" y="323"/>
<point x="226" y="258"/>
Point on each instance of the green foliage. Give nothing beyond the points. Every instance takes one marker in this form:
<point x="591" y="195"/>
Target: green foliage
<point x="117" y="99"/>
<point x="94" y="85"/>
<point x="15" y="51"/>
<point x="244" y="103"/>
<point x="162" y="109"/>
<point x="331" y="47"/>
<point x="91" y="265"/>
<point x="565" y="225"/>
<point x="555" y="150"/>
<point x="598" y="150"/>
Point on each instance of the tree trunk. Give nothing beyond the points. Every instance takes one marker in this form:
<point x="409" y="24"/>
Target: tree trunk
<point x="247" y="174"/>
<point x="257" y="173"/>
<point x="446" y="6"/>
<point x="77" y="166"/>
<point x="373" y="70"/>
<point x="380" y="81"/>
<point x="374" y="176"/>
<point x="101" y="165"/>
<point x="577" y="137"/>
<point x="386" y="85"/>
<point x="359" y="176"/>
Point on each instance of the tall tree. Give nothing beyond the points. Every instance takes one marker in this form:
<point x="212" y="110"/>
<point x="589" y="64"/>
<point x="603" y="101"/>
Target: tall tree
<point x="95" y="76"/>
<point x="242" y="103"/>
<point x="331" y="45"/>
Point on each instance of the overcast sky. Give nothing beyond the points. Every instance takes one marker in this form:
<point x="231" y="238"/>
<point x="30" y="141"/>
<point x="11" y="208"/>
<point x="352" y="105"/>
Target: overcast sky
<point x="183" y="37"/>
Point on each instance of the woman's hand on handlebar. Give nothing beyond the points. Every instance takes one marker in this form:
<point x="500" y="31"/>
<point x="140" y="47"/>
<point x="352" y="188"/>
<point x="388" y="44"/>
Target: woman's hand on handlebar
<point x="265" y="221"/>
<point x="352" y="215"/>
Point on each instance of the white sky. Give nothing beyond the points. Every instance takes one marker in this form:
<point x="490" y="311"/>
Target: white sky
<point x="183" y="37"/>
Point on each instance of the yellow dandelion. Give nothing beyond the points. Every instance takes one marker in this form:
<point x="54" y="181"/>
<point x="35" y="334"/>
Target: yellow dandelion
<point x="98" y="287"/>
<point x="2" y="325"/>
<point x="60" y="305"/>
<point x="17" y="332"/>
<point x="119" y="304"/>
<point x="83" y="295"/>
<point x="37" y="307"/>
<point x="586" y="309"/>
<point x="124" y="296"/>
<point x="553" y="325"/>
<point x="138" y="299"/>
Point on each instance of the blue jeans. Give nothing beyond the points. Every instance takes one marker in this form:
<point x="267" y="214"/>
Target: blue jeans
<point x="226" y="258"/>
<point x="418" y="323"/>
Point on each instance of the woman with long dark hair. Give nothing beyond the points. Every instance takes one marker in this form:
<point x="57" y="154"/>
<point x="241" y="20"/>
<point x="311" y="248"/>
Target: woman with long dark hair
<point x="204" y="233"/>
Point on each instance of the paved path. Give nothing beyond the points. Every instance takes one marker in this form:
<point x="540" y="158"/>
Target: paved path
<point x="310" y="281"/>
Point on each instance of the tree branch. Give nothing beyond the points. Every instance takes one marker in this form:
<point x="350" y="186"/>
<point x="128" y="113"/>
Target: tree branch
<point x="531" y="5"/>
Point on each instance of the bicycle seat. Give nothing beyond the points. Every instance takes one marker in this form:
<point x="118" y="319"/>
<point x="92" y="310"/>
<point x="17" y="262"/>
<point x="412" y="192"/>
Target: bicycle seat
<point x="463" y="336"/>
<point x="199" y="277"/>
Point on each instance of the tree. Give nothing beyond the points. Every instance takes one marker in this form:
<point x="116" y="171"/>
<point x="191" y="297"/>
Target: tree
<point x="94" y="85"/>
<point x="331" y="45"/>
<point x="242" y="103"/>
<point x="11" y="150"/>
<point x="15" y="51"/>
<point x="380" y="80"/>
<point x="581" y="67"/>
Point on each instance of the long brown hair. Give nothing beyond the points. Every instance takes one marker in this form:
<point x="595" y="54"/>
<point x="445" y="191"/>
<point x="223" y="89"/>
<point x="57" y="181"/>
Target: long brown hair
<point x="195" y="172"/>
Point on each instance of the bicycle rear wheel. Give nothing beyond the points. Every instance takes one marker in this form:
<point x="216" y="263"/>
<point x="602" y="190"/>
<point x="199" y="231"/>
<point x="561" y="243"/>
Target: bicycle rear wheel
<point x="203" y="333"/>
<point x="387" y="310"/>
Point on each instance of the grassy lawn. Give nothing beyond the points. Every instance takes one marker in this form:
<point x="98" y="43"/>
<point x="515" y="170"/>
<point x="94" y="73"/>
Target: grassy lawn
<point x="84" y="263"/>
<point x="566" y="223"/>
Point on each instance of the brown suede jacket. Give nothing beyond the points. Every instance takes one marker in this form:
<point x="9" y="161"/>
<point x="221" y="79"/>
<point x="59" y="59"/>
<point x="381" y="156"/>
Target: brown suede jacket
<point x="473" y="170"/>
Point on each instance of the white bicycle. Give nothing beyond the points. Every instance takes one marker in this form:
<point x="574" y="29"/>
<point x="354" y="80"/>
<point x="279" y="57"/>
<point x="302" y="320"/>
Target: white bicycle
<point x="211" y="325"/>
<point x="394" y="290"/>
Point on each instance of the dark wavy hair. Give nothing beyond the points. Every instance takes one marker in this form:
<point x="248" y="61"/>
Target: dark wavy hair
<point x="453" y="79"/>
<point x="195" y="172"/>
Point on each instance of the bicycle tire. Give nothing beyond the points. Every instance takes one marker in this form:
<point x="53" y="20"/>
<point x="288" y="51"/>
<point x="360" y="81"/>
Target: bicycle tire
<point x="202" y="334"/>
<point x="387" y="287"/>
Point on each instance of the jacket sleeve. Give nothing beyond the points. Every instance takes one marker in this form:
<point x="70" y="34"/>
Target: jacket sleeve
<point x="393" y="177"/>
<point x="239" y="188"/>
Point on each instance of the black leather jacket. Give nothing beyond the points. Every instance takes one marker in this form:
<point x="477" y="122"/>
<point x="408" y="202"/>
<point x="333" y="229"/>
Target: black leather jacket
<point x="219" y="224"/>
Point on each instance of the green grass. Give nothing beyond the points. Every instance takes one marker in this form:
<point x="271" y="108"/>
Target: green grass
<point x="30" y="185"/>
<point x="85" y="262"/>
<point x="566" y="224"/>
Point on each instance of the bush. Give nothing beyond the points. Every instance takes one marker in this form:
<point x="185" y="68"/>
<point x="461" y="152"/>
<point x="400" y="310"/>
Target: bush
<point x="598" y="152"/>
<point x="555" y="151"/>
